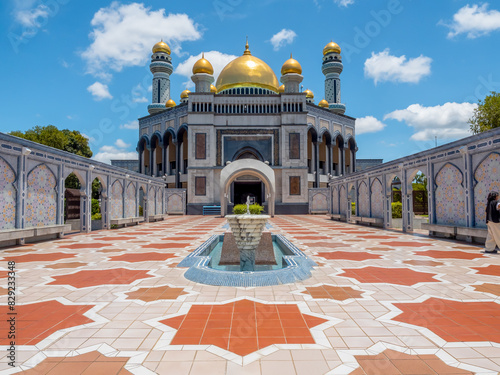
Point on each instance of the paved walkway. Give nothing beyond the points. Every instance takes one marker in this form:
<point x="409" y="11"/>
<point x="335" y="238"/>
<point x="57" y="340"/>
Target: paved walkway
<point x="379" y="302"/>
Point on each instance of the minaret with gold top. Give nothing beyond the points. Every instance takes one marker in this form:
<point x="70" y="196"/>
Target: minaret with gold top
<point x="291" y="75"/>
<point x="331" y="68"/>
<point x="203" y="73"/>
<point x="161" y="67"/>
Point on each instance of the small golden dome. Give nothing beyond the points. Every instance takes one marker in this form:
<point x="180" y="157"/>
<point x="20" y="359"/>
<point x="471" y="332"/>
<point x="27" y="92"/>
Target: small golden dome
<point x="309" y="94"/>
<point x="247" y="71"/>
<point x="203" y="66"/>
<point x="170" y="103"/>
<point x="331" y="47"/>
<point x="185" y="94"/>
<point x="161" y="47"/>
<point x="323" y="104"/>
<point x="213" y="89"/>
<point x="291" y="66"/>
<point x="281" y="89"/>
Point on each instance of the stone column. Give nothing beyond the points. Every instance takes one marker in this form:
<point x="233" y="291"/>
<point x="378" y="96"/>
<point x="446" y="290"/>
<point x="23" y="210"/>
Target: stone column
<point x="430" y="190"/>
<point x="469" y="190"/>
<point x="316" y="163"/>
<point x="177" y="164"/>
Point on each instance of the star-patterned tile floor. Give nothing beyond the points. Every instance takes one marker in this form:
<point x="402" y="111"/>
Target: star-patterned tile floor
<point x="379" y="302"/>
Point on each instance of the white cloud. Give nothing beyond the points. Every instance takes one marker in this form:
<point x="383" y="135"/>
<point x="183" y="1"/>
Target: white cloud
<point x="474" y="20"/>
<point x="385" y="67"/>
<point x="343" y="3"/>
<point x="33" y="17"/>
<point x="121" y="144"/>
<point x="141" y="99"/>
<point x="131" y="125"/>
<point x="449" y="120"/>
<point x="99" y="91"/>
<point x="123" y="35"/>
<point x="108" y="153"/>
<point x="282" y="38"/>
<point x="368" y="124"/>
<point x="218" y="60"/>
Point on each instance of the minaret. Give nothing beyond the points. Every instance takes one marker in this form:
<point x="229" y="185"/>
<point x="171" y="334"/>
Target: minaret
<point x="291" y="75"/>
<point x="202" y="76"/>
<point x="332" y="67"/>
<point x="161" y="67"/>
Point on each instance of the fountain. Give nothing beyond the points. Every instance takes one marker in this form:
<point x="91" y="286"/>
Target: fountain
<point x="247" y="256"/>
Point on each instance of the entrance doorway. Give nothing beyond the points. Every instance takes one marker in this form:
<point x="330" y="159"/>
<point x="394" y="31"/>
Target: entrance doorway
<point x="243" y="189"/>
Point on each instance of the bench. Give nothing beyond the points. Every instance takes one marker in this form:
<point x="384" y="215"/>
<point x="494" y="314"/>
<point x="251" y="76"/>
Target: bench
<point x="339" y="217"/>
<point x="452" y="231"/>
<point x="20" y="235"/>
<point x="125" y="221"/>
<point x="211" y="210"/>
<point x="156" y="217"/>
<point x="368" y="220"/>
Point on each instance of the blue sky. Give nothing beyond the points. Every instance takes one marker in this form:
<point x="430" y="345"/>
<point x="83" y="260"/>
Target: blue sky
<point x="413" y="70"/>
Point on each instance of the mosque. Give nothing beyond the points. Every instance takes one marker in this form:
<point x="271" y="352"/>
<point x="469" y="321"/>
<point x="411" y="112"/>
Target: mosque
<point x="247" y="135"/>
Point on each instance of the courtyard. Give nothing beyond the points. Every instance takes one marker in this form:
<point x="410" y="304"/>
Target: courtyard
<point x="378" y="302"/>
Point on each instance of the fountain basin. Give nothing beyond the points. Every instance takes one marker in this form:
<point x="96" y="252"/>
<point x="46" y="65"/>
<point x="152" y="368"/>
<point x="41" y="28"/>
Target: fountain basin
<point x="203" y="266"/>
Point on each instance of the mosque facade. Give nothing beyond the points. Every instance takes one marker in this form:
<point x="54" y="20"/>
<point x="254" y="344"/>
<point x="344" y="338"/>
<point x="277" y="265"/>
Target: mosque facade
<point x="246" y="135"/>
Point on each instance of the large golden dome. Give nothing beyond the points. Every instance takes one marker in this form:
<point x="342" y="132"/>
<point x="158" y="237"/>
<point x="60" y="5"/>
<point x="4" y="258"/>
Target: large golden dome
<point x="161" y="47"/>
<point x="170" y="103"/>
<point x="203" y="66"/>
<point x="323" y="103"/>
<point x="331" y="47"/>
<point x="247" y="71"/>
<point x="309" y="94"/>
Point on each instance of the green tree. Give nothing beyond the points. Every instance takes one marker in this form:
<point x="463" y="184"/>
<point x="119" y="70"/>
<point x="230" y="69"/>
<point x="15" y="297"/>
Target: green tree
<point x="487" y="115"/>
<point x="67" y="140"/>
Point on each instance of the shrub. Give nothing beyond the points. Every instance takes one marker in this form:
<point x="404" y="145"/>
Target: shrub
<point x="95" y="207"/>
<point x="397" y="210"/>
<point x="353" y="208"/>
<point x="141" y="211"/>
<point x="96" y="216"/>
<point x="255" y="209"/>
<point x="240" y="209"/>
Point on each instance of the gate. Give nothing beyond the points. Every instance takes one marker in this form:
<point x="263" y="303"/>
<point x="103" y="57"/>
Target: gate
<point x="72" y="204"/>
<point x="420" y="206"/>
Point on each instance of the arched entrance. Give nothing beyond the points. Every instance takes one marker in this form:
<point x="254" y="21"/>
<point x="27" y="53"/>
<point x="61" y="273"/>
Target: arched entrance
<point x="247" y="171"/>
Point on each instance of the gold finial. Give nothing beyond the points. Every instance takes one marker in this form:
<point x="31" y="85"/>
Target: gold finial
<point x="291" y="55"/>
<point x="203" y="55"/>
<point x="247" y="50"/>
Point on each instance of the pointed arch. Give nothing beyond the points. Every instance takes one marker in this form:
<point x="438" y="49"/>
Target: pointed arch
<point x="116" y="200"/>
<point x="486" y="179"/>
<point x="41" y="197"/>
<point x="450" y="196"/>
<point x="8" y="196"/>
<point x="363" y="200"/>
<point x="377" y="198"/>
<point x="130" y="200"/>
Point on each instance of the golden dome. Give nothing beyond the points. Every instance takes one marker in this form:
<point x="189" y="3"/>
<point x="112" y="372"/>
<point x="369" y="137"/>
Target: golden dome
<point x="161" y="47"/>
<point x="331" y="47"/>
<point x="247" y="71"/>
<point x="170" y="103"/>
<point x="213" y="89"/>
<point x="323" y="104"/>
<point x="185" y="94"/>
<point x="281" y="89"/>
<point x="203" y="66"/>
<point x="291" y="66"/>
<point x="309" y="94"/>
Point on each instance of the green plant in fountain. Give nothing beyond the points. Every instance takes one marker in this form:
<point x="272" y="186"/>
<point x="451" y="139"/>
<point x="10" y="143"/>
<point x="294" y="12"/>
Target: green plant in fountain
<point x="241" y="209"/>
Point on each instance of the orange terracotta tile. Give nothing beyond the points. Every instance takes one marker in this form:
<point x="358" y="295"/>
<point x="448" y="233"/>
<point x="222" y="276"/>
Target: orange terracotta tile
<point x="445" y="254"/>
<point x="399" y="276"/>
<point x="83" y="279"/>
<point x="39" y="257"/>
<point x="346" y="255"/>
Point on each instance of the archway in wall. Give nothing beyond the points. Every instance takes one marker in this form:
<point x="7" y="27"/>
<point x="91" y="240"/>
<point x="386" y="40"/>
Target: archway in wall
<point x="396" y="203"/>
<point x="170" y="158"/>
<point x="419" y="199"/>
<point x="144" y="155"/>
<point x="156" y="153"/>
<point x="247" y="177"/>
<point x="337" y="155"/>
<point x="142" y="194"/>
<point x="72" y="186"/>
<point x="96" y="205"/>
<point x="182" y="137"/>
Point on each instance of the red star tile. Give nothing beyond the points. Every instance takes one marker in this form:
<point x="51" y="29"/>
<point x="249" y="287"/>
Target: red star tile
<point x="39" y="257"/>
<point x="142" y="257"/>
<point x="445" y="254"/>
<point x="405" y="244"/>
<point x="38" y="321"/>
<point x="154" y="294"/>
<point x="174" y="245"/>
<point x="117" y="238"/>
<point x="454" y="321"/>
<point x="89" y="363"/>
<point x="399" y="276"/>
<point x="376" y="237"/>
<point x="492" y="270"/>
<point x="179" y="238"/>
<point x="348" y="255"/>
<point x="328" y="245"/>
<point x="311" y="237"/>
<point x="90" y="245"/>
<point x="243" y="327"/>
<point x="83" y="279"/>
<point x="333" y="292"/>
